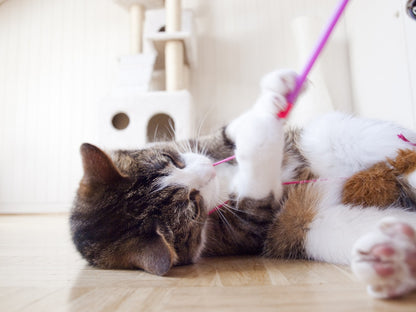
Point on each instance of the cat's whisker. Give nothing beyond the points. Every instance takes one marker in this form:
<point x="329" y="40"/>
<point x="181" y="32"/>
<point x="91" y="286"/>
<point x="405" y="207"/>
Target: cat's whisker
<point x="180" y="146"/>
<point x="195" y="147"/>
<point x="222" y="216"/>
<point x="186" y="146"/>
<point x="204" y="149"/>
<point x="231" y="233"/>
<point x="235" y="212"/>
<point x="201" y="123"/>
<point x="171" y="130"/>
<point x="196" y="221"/>
<point x="155" y="134"/>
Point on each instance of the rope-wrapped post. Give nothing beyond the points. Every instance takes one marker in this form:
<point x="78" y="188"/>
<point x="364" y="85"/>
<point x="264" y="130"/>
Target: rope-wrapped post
<point x="174" y="50"/>
<point x="136" y="28"/>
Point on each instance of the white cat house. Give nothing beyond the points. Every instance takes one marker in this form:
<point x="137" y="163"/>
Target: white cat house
<point x="150" y="101"/>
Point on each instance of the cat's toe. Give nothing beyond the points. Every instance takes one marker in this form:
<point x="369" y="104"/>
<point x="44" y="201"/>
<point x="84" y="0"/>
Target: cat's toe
<point x="281" y="82"/>
<point x="396" y="229"/>
<point x="386" y="259"/>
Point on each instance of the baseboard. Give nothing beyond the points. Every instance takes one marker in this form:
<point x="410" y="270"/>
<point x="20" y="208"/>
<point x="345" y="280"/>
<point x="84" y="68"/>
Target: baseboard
<point x="21" y="208"/>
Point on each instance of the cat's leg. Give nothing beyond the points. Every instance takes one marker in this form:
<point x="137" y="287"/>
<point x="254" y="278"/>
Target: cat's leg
<point x="385" y="259"/>
<point x="259" y="139"/>
<point x="381" y="254"/>
<point x="240" y="226"/>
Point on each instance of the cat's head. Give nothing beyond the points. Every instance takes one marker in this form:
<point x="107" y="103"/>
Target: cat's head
<point x="142" y="209"/>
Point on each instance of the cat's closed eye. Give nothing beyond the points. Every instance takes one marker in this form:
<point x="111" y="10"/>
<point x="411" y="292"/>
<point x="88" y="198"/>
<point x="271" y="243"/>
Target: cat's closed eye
<point x="175" y="160"/>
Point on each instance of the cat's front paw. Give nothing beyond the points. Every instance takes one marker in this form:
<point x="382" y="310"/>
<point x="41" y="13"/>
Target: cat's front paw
<point x="386" y="259"/>
<point x="280" y="81"/>
<point x="276" y="86"/>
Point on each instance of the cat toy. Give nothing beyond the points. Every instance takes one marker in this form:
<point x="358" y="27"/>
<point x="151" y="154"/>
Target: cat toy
<point x="292" y="97"/>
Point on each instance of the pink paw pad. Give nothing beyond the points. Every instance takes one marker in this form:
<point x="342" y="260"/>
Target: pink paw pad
<point x="381" y="254"/>
<point x="411" y="261"/>
<point x="385" y="259"/>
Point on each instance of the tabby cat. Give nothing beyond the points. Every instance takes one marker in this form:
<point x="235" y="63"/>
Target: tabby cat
<point x="149" y="208"/>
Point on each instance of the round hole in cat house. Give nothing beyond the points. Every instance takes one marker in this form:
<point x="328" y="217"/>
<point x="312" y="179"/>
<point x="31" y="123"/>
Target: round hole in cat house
<point x="120" y="121"/>
<point x="161" y="127"/>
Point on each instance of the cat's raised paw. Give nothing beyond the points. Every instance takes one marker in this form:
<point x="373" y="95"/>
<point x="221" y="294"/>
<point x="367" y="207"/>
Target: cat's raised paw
<point x="276" y="86"/>
<point x="385" y="259"/>
<point x="281" y="82"/>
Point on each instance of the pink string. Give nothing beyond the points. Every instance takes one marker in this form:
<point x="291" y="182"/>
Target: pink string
<point x="223" y="161"/>
<point x="403" y="138"/>
<point x="217" y="208"/>
<point x="291" y="98"/>
<point x="284" y="183"/>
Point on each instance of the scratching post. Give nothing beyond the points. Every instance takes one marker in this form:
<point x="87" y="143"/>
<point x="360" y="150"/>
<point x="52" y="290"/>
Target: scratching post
<point x="137" y="12"/>
<point x="140" y="109"/>
<point x="174" y="51"/>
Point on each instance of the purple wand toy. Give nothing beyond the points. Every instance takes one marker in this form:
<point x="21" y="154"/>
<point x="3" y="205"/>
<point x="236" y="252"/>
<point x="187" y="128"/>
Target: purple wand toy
<point x="291" y="99"/>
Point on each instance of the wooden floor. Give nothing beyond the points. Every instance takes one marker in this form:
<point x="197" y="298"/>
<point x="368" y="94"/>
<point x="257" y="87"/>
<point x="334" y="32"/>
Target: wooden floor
<point x="41" y="271"/>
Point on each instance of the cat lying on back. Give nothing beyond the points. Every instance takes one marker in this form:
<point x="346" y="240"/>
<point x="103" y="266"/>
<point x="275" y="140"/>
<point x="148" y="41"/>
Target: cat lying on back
<point x="148" y="208"/>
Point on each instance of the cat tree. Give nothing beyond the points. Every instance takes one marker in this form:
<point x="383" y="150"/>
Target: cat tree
<point x="150" y="101"/>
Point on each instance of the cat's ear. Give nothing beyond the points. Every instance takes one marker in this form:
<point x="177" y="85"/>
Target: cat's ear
<point x="157" y="256"/>
<point x="98" y="167"/>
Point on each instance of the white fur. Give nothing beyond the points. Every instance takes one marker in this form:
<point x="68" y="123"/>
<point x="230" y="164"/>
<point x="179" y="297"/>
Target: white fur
<point x="336" y="227"/>
<point x="338" y="232"/>
<point x="411" y="178"/>
<point x="340" y="145"/>
<point x="259" y="138"/>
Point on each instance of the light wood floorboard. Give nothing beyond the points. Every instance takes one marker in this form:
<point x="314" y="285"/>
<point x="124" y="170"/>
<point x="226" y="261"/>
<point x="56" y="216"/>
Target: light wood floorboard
<point x="41" y="271"/>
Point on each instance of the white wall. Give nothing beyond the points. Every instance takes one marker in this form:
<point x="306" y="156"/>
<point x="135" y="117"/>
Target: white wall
<point x="382" y="47"/>
<point x="58" y="59"/>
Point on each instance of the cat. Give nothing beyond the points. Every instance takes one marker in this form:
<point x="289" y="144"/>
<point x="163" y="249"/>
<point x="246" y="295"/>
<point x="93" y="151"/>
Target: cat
<point x="149" y="208"/>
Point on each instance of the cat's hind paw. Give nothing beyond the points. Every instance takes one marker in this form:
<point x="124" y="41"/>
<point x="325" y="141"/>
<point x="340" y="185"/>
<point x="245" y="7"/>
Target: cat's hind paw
<point x="386" y="259"/>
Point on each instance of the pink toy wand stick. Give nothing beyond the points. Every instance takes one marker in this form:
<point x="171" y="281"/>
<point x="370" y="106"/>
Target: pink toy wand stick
<point x="291" y="98"/>
<point x="223" y="161"/>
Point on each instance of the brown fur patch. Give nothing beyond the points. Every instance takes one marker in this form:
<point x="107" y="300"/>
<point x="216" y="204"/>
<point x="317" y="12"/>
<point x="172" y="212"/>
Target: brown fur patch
<point x="405" y="161"/>
<point x="376" y="186"/>
<point x="382" y="185"/>
<point x="287" y="235"/>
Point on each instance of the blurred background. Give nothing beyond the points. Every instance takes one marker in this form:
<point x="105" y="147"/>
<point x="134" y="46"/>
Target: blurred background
<point x="59" y="60"/>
